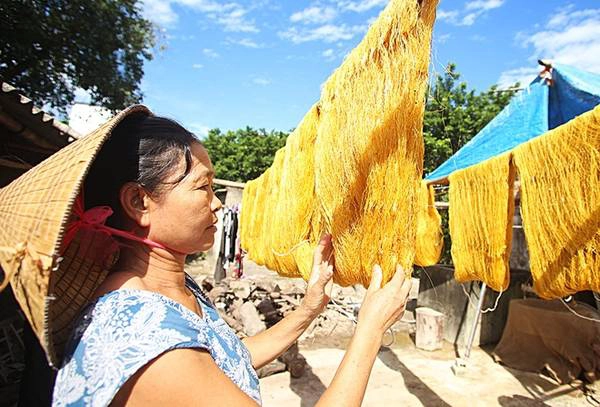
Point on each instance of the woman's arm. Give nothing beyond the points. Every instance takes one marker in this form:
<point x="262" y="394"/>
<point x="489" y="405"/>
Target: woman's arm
<point x="380" y="309"/>
<point x="268" y="345"/>
<point x="191" y="377"/>
<point x="181" y="377"/>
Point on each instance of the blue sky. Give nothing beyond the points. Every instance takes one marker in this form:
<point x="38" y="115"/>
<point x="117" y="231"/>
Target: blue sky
<point x="261" y="63"/>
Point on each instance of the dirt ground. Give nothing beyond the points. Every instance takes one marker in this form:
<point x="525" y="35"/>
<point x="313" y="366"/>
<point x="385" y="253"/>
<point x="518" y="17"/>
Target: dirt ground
<point x="406" y="376"/>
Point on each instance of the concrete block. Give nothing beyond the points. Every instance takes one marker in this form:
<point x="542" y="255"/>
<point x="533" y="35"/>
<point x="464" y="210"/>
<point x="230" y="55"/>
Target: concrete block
<point x="440" y="291"/>
<point x="430" y="329"/>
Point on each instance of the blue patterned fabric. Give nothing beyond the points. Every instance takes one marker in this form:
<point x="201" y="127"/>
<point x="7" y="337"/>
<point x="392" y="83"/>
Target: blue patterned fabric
<point x="121" y="331"/>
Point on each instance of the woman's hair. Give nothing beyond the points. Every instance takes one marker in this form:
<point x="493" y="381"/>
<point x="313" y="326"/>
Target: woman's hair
<point x="142" y="149"/>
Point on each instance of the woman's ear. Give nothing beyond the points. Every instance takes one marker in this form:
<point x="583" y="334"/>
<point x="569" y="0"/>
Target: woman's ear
<point x="134" y="201"/>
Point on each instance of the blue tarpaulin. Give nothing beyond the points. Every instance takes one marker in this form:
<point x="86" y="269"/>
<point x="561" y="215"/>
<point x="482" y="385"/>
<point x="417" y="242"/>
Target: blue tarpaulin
<point x="531" y="112"/>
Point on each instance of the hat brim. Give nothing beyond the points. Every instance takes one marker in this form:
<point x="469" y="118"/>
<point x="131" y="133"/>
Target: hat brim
<point x="35" y="209"/>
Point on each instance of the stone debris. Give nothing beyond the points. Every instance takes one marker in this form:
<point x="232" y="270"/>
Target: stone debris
<point x="241" y="289"/>
<point x="251" y="305"/>
<point x="254" y="303"/>
<point x="251" y="321"/>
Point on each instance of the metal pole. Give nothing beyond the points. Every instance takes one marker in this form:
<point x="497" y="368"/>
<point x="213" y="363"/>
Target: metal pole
<point x="460" y="364"/>
<point x="475" y="321"/>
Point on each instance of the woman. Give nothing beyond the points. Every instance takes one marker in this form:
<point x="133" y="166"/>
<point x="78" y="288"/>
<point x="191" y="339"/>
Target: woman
<point x="149" y="336"/>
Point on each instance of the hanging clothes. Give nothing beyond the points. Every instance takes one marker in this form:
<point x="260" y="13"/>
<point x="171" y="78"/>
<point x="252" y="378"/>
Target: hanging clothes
<point x="230" y="256"/>
<point x="233" y="229"/>
<point x="238" y="265"/>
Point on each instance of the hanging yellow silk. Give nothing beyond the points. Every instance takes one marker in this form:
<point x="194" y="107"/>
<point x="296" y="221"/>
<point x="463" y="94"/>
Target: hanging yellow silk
<point x="560" y="206"/>
<point x="352" y="166"/>
<point x="481" y="215"/>
<point x="271" y="192"/>
<point x="255" y="245"/>
<point x="369" y="148"/>
<point x="293" y="236"/>
<point x="430" y="240"/>
<point x="248" y="200"/>
<point x="248" y="216"/>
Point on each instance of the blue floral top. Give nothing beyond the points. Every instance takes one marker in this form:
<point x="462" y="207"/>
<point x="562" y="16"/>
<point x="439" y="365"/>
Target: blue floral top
<point x="122" y="330"/>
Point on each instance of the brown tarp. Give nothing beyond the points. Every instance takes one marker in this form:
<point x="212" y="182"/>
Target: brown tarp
<point x="544" y="336"/>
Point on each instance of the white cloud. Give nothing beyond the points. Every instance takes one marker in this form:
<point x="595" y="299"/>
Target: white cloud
<point x="329" y="54"/>
<point x="82" y="95"/>
<point x="556" y="42"/>
<point x="326" y="33"/>
<point x="205" y="6"/>
<point x="360" y="6"/>
<point x="261" y="81"/>
<point x="567" y="15"/>
<point x="444" y="15"/>
<point x="522" y="75"/>
<point x="314" y="15"/>
<point x="478" y="38"/>
<point x="246" y="42"/>
<point x="484" y="4"/>
<point x="571" y="37"/>
<point x="210" y="53"/>
<point x="471" y="12"/>
<point x="469" y="19"/>
<point x="442" y="38"/>
<point x="235" y="21"/>
<point x="199" y="129"/>
<point x="85" y="118"/>
<point x="159" y="12"/>
<point x="231" y="16"/>
<point x="197" y="66"/>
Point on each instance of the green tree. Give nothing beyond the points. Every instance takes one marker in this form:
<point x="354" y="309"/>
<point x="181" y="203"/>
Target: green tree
<point x="50" y="47"/>
<point x="454" y="115"/>
<point x="243" y="154"/>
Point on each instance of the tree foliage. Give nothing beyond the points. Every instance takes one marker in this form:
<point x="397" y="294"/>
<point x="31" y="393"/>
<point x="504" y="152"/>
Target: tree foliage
<point x="243" y="154"/>
<point x="454" y="114"/>
<point x="51" y="47"/>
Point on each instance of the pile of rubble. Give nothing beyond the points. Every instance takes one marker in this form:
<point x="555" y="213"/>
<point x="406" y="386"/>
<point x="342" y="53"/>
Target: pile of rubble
<point x="251" y="305"/>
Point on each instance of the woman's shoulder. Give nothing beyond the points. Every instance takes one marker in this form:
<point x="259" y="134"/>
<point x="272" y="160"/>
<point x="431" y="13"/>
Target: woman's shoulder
<point x="116" y="281"/>
<point x="116" y="335"/>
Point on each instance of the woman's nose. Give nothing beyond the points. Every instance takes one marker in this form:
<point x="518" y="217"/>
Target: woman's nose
<point x="216" y="204"/>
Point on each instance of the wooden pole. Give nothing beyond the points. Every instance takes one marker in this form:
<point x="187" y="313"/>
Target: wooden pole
<point x="226" y="183"/>
<point x="14" y="164"/>
<point x="18" y="128"/>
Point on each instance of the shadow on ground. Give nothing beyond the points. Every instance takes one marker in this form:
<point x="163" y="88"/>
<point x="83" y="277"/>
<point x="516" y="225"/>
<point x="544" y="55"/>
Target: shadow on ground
<point x="413" y="384"/>
<point x="520" y="401"/>
<point x="541" y="388"/>
<point x="308" y="387"/>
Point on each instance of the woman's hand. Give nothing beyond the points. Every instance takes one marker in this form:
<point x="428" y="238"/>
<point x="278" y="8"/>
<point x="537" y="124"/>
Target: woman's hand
<point x="269" y="344"/>
<point x="383" y="306"/>
<point x="320" y="282"/>
<point x="380" y="309"/>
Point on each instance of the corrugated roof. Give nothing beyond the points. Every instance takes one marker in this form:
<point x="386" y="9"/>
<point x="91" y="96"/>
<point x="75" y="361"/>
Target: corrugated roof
<point x="22" y="110"/>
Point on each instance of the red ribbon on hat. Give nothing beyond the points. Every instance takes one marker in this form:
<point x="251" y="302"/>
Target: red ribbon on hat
<point x="94" y="219"/>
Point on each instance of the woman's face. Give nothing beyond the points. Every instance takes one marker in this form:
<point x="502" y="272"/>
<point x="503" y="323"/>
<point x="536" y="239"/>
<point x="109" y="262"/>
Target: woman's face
<point x="184" y="217"/>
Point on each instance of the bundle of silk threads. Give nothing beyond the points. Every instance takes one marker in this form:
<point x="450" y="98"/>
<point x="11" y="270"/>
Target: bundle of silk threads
<point x="353" y="165"/>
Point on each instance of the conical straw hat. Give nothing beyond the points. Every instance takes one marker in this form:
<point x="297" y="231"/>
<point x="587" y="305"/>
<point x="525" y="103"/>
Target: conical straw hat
<point x="52" y="283"/>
